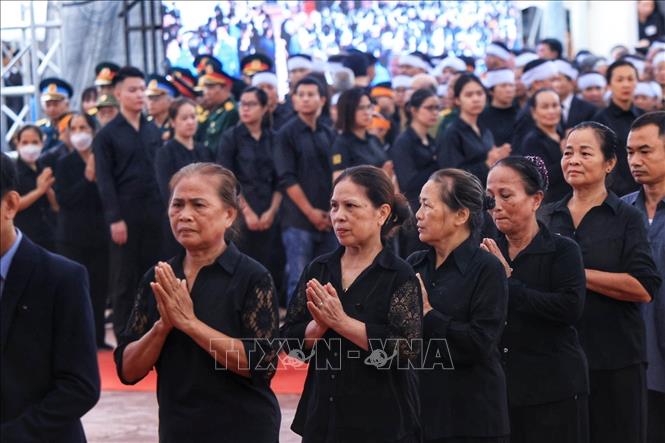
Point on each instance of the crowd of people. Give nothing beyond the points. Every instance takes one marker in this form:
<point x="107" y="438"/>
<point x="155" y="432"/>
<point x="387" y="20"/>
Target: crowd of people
<point x="461" y="257"/>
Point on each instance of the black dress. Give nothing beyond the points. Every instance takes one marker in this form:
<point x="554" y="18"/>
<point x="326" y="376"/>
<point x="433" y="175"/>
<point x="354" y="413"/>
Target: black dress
<point x="38" y="220"/>
<point x="612" y="238"/>
<point x="545" y="365"/>
<point x="352" y="395"/>
<point x="199" y="401"/>
<point x="464" y="148"/>
<point x="81" y="233"/>
<point x="466" y="396"/>
<point x="542" y="145"/>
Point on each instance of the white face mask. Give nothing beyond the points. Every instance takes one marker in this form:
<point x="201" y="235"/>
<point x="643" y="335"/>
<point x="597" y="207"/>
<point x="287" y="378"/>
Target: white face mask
<point x="29" y="153"/>
<point x="81" y="140"/>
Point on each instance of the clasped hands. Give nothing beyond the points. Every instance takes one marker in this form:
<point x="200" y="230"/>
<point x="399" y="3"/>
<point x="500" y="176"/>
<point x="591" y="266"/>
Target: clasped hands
<point x="324" y="305"/>
<point x="173" y="299"/>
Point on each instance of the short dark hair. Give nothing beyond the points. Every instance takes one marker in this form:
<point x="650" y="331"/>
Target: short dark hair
<point x="533" y="99"/>
<point x="89" y="119"/>
<point x="178" y="103"/>
<point x="261" y="95"/>
<point x="379" y="190"/>
<point x="465" y="79"/>
<point x="554" y="45"/>
<point x="8" y="175"/>
<point x="309" y="80"/>
<point x="618" y="64"/>
<point x="346" y="108"/>
<point x="460" y="189"/>
<point x="651" y="118"/>
<point x="127" y="72"/>
<point x="606" y="136"/>
<point x="29" y="127"/>
<point x="89" y="93"/>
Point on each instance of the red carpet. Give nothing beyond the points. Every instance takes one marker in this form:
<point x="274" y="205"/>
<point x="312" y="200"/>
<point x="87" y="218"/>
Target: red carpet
<point x="287" y="380"/>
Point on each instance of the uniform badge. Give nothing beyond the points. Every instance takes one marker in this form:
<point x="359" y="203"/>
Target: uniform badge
<point x="336" y="159"/>
<point x="229" y="106"/>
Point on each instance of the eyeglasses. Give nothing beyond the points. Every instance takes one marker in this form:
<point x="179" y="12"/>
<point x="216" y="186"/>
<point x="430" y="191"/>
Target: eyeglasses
<point x="248" y="104"/>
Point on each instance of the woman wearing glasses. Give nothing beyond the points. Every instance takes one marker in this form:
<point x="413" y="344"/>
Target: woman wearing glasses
<point x="465" y="144"/>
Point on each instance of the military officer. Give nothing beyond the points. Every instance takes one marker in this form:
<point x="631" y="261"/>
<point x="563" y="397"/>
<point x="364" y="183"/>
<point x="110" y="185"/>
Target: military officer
<point x="104" y="73"/>
<point x="55" y="95"/>
<point x="160" y="92"/>
<point x="254" y="63"/>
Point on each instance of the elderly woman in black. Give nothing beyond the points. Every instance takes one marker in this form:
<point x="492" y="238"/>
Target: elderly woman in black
<point x="543" y="359"/>
<point x="357" y="312"/>
<point x="620" y="275"/>
<point x="205" y="320"/>
<point x="464" y="306"/>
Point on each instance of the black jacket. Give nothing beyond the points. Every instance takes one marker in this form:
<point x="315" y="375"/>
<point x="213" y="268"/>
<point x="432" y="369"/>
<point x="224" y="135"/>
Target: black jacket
<point x="580" y="111"/>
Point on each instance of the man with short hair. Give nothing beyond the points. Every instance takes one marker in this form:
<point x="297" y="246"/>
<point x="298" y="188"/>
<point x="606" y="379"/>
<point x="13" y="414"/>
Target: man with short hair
<point x="573" y="109"/>
<point x="124" y="155"/>
<point x="49" y="376"/>
<point x="302" y="153"/>
<point x="646" y="158"/>
<point x="550" y="49"/>
<point x="55" y="94"/>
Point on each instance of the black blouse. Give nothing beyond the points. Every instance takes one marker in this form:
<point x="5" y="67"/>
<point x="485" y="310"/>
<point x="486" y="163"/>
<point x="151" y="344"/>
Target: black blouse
<point x="172" y="157"/>
<point x="500" y="122"/>
<point x="463" y="148"/>
<point x="414" y="163"/>
<point x="38" y="220"/>
<point x="352" y="395"/>
<point x="349" y="150"/>
<point x="81" y="216"/>
<point x="538" y="143"/>
<point x="466" y="396"/>
<point x="198" y="399"/>
<point x="252" y="162"/>
<point x="613" y="238"/>
<point x="541" y="352"/>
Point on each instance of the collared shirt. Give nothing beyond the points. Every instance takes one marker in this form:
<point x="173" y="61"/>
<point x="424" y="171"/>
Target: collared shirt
<point x="565" y="107"/>
<point x="500" y="122"/>
<point x="414" y="162"/>
<point x="538" y="143"/>
<point x="469" y="295"/>
<point x="578" y="111"/>
<point x="619" y="121"/>
<point x="124" y="163"/>
<point x="253" y="164"/>
<point x="654" y="312"/>
<point x="6" y="259"/>
<point x="174" y="156"/>
<point x="302" y="156"/>
<point x="540" y="348"/>
<point x="613" y="239"/>
<point x="197" y="397"/>
<point x="349" y="150"/>
<point x="346" y="397"/>
<point x="464" y="148"/>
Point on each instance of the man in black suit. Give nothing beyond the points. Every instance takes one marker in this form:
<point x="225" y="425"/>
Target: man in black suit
<point x="49" y="376"/>
<point x="573" y="109"/>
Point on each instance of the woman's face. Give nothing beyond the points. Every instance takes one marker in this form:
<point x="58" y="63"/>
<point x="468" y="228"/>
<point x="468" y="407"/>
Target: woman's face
<point x="355" y="220"/>
<point x="514" y="209"/>
<point x="583" y="163"/>
<point x="250" y="108"/>
<point x="547" y="111"/>
<point x="435" y="220"/>
<point x="80" y="133"/>
<point x="428" y="112"/>
<point x="184" y="123"/>
<point x="199" y="219"/>
<point x="363" y="116"/>
<point x="29" y="146"/>
<point x="623" y="83"/>
<point x="471" y="99"/>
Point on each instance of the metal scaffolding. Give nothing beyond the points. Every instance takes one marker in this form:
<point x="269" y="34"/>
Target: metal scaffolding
<point x="33" y="62"/>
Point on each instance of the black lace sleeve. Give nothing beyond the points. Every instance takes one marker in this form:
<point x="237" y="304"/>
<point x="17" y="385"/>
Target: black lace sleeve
<point x="297" y="318"/>
<point x="144" y="314"/>
<point x="260" y="319"/>
<point x="403" y="331"/>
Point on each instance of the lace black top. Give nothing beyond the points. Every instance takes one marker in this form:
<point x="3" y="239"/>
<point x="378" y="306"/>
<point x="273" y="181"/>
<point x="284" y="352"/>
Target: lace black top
<point x="353" y="395"/>
<point x="199" y="400"/>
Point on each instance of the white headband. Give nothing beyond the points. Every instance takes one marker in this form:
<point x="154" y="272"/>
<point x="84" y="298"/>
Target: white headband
<point x="452" y="62"/>
<point x="402" y="81"/>
<point x="657" y="45"/>
<point x="659" y="58"/>
<point x="498" y="77"/>
<point x="319" y="65"/>
<point x="415" y="61"/>
<point x="298" y="62"/>
<point x="657" y="90"/>
<point x="566" y="69"/>
<point x="442" y="90"/>
<point x="590" y="80"/>
<point x="264" y="77"/>
<point x="522" y="59"/>
<point x="639" y="65"/>
<point x="541" y="72"/>
<point x="644" y="88"/>
<point x="497" y="51"/>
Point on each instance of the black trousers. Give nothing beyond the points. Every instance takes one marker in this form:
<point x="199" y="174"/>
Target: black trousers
<point x="564" y="421"/>
<point x="129" y="262"/>
<point x="94" y="257"/>
<point x="618" y="405"/>
<point x="656" y="419"/>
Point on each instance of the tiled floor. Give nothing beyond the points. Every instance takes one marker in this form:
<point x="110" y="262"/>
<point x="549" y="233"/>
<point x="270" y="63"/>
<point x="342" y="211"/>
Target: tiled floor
<point x="131" y="417"/>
